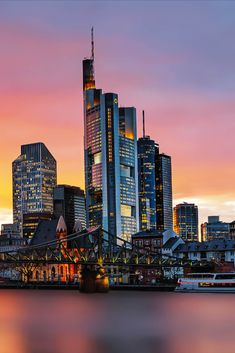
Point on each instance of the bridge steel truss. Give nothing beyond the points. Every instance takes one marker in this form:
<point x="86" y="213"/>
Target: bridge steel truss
<point x="94" y="246"/>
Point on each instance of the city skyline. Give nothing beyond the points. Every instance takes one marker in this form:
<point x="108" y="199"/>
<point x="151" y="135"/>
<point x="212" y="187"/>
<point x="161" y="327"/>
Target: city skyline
<point x="43" y="101"/>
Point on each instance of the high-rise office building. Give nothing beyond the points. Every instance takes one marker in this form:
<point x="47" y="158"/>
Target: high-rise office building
<point x="186" y="221"/>
<point x="34" y="177"/>
<point x="155" y="185"/>
<point x="69" y="202"/>
<point x="214" y="229"/>
<point x="147" y="183"/>
<point x="163" y="192"/>
<point x="109" y="166"/>
<point x="128" y="171"/>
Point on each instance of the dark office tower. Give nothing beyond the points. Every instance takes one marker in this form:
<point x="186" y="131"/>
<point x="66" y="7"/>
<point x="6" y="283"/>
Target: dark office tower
<point x="163" y="192"/>
<point x="69" y="202"/>
<point x="102" y="157"/>
<point x="34" y="177"/>
<point x="128" y="172"/>
<point x="147" y="183"/>
<point x="31" y="220"/>
<point x="186" y="221"/>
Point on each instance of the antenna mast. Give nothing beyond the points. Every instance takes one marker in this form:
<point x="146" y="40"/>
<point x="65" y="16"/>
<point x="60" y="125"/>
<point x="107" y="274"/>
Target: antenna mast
<point x="143" y="124"/>
<point x="92" y="44"/>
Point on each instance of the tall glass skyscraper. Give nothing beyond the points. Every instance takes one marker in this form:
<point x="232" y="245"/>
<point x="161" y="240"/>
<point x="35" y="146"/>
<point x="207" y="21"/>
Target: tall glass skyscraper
<point x="34" y="177"/>
<point x="110" y="158"/>
<point x="163" y="192"/>
<point x="147" y="183"/>
<point x="186" y="221"/>
<point x="155" y="186"/>
<point x="128" y="171"/>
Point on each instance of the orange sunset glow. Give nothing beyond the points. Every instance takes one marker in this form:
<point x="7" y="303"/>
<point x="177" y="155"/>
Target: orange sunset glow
<point x="184" y="85"/>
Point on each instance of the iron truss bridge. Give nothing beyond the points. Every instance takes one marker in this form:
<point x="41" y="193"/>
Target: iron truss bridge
<point x="93" y="246"/>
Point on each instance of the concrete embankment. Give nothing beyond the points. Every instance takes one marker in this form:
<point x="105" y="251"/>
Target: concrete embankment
<point x="161" y="287"/>
<point x="63" y="286"/>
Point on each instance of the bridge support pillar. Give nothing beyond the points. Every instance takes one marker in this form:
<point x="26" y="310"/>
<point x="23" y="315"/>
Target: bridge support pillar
<point x="93" y="281"/>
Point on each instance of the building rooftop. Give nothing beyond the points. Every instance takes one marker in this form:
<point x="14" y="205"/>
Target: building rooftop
<point x="170" y="242"/>
<point x="148" y="233"/>
<point x="46" y="231"/>
<point x="212" y="245"/>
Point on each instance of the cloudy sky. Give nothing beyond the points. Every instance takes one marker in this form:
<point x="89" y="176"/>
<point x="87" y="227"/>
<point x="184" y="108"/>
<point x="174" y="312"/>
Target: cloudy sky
<point x="175" y="59"/>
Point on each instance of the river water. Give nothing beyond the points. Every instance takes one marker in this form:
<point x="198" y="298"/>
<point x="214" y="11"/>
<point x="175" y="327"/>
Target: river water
<point x="34" y="321"/>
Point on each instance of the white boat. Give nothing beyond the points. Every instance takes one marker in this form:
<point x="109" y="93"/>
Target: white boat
<point x="207" y="282"/>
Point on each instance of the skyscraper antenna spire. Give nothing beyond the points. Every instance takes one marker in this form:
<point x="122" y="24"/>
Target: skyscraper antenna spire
<point x="92" y="44"/>
<point x="143" y="124"/>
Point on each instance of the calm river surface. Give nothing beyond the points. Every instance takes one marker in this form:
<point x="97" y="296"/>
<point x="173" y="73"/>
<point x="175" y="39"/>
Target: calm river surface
<point x="134" y="322"/>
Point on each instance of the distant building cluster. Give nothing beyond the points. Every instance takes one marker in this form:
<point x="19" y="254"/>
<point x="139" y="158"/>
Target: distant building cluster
<point x="128" y="181"/>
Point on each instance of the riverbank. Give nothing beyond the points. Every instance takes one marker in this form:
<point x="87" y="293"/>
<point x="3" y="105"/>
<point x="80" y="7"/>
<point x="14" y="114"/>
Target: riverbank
<point x="63" y="286"/>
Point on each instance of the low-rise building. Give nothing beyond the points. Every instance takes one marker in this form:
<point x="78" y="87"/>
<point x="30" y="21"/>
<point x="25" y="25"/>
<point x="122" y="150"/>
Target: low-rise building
<point x="9" y="230"/>
<point x="232" y="230"/>
<point x="150" y="240"/>
<point x="214" y="229"/>
<point x="217" y="250"/>
<point x="12" y="243"/>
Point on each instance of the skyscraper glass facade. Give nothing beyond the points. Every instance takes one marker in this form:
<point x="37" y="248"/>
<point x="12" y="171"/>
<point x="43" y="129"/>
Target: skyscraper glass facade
<point x="147" y="183"/>
<point x="163" y="192"/>
<point x="93" y="155"/>
<point x="69" y="202"/>
<point x="34" y="177"/>
<point x="214" y="229"/>
<point x="128" y="171"/>
<point x="155" y="186"/>
<point x="186" y="221"/>
<point x="110" y="159"/>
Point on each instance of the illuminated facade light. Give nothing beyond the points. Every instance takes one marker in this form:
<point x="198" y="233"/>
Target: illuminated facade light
<point x="186" y="221"/>
<point x="214" y="229"/>
<point x="164" y="192"/>
<point x="110" y="159"/>
<point x="34" y="177"/>
<point x="69" y="202"/>
<point x="147" y="183"/>
<point x="155" y="187"/>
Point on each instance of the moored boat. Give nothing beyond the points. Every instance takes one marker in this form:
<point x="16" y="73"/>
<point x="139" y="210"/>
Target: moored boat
<point x="207" y="282"/>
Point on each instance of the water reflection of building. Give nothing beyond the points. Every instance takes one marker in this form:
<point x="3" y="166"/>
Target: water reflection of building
<point x="34" y="177"/>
